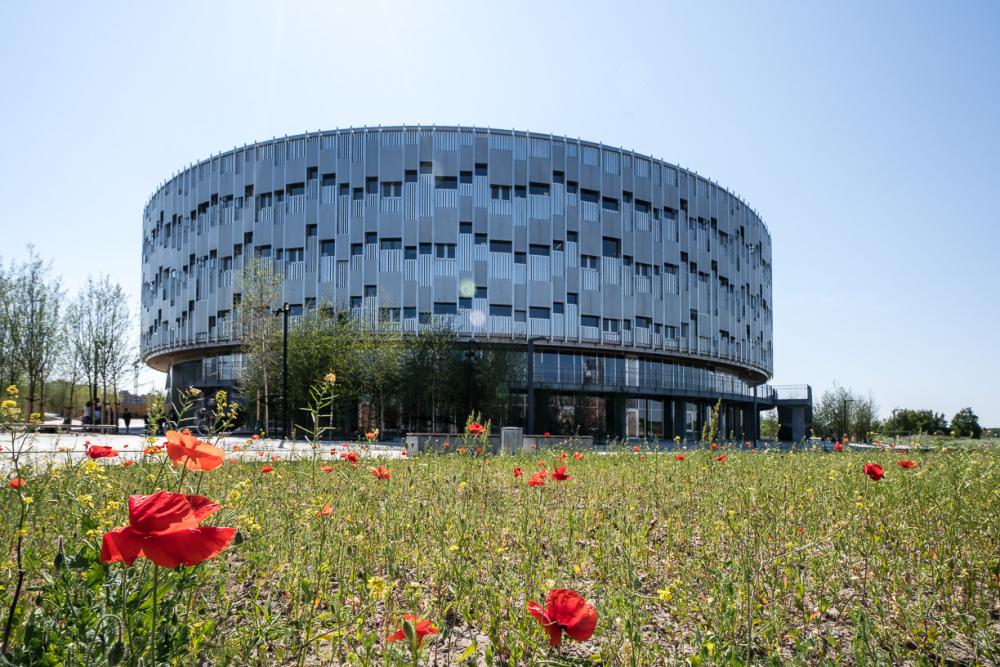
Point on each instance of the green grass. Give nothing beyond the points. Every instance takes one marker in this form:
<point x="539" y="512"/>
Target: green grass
<point x="762" y="559"/>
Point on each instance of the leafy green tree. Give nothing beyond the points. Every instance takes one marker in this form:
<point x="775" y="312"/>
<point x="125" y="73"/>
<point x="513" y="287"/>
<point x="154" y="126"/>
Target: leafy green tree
<point x="841" y="412"/>
<point x="965" y="424"/>
<point x="906" y="422"/>
<point x="769" y="425"/>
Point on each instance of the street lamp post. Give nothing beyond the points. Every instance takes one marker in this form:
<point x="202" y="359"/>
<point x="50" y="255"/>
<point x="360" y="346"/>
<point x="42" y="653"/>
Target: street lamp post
<point x="531" y="384"/>
<point x="284" y="311"/>
<point x="846" y="421"/>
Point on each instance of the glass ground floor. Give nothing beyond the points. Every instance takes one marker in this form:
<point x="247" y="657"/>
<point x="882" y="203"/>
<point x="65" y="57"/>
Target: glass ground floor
<point x="661" y="418"/>
<point x="602" y="395"/>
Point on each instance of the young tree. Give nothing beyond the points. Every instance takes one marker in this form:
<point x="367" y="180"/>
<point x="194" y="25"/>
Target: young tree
<point x="10" y="327"/>
<point x="965" y="424"/>
<point x="37" y="297"/>
<point x="380" y="355"/>
<point x="841" y="412"/>
<point x="98" y="323"/>
<point x="255" y="325"/>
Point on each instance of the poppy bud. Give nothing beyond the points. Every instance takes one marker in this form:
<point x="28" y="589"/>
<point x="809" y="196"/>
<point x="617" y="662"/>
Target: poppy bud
<point x="411" y="633"/>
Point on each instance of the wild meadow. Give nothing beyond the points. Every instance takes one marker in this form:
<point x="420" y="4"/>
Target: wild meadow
<point x="698" y="556"/>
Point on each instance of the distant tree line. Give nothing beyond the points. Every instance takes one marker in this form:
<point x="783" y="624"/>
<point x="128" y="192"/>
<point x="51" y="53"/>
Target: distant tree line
<point x="842" y="412"/>
<point x="62" y="352"/>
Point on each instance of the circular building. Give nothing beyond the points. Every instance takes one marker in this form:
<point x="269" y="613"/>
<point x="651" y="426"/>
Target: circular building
<point x="645" y="288"/>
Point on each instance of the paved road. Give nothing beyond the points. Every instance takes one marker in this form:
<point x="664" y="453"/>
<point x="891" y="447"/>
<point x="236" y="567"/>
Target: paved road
<point x="41" y="448"/>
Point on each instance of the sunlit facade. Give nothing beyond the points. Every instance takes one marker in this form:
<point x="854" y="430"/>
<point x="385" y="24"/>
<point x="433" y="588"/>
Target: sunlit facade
<point x="646" y="286"/>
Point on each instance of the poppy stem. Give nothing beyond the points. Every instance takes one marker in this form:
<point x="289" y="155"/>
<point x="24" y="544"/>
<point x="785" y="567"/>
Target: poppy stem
<point x="156" y="609"/>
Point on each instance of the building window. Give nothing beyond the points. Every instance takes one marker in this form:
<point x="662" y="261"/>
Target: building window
<point x="499" y="310"/>
<point x="327" y="248"/>
<point x="392" y="189"/>
<point x="538" y="313"/>
<point x="465" y="177"/>
<point x="446" y="183"/>
<point x="520" y="316"/>
<point x="500" y="246"/>
<point x="611" y="247"/>
<point x="480" y="292"/>
<point x="590" y="321"/>
<point x="557" y="308"/>
<point x="410" y="176"/>
<point x="445" y="250"/>
<point x="371" y="291"/>
<point x="572" y="298"/>
<point x="445" y="308"/>
<point x="500" y="192"/>
<point x="538" y="188"/>
<point x="371" y="186"/>
<point x="538" y="250"/>
<point x="609" y="204"/>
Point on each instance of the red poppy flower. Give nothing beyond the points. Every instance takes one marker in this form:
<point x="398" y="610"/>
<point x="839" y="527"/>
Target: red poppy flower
<point x="101" y="452"/>
<point x="545" y="435"/>
<point x="447" y="445"/>
<point x="327" y="468"/>
<point x="537" y="480"/>
<point x="381" y="473"/>
<point x="192" y="453"/>
<point x="164" y="528"/>
<point x="838" y="447"/>
<point x="748" y="443"/>
<point x="236" y="448"/>
<point x="461" y="450"/>
<point x="474" y="428"/>
<point x="517" y="472"/>
<point x="560" y="474"/>
<point x="874" y="471"/>
<point x="421" y="628"/>
<point x="565" y="610"/>
<point x="233" y="459"/>
<point x="325" y="512"/>
<point x="275" y="457"/>
<point x="266" y="469"/>
<point x="260" y="454"/>
<point x="18" y="483"/>
<point x="255" y="436"/>
<point x="403" y="453"/>
<point x="578" y="456"/>
<point x="128" y="462"/>
<point x="721" y="459"/>
<point x="635" y="449"/>
<point x="714" y="446"/>
<point x="350" y="456"/>
<point x="906" y="464"/>
<point x="680" y="457"/>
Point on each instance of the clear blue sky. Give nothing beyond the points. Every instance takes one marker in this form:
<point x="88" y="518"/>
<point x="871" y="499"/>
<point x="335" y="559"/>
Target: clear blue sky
<point x="866" y="134"/>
